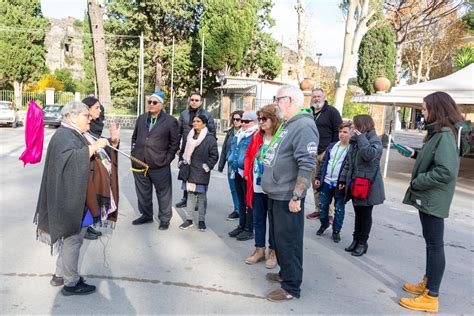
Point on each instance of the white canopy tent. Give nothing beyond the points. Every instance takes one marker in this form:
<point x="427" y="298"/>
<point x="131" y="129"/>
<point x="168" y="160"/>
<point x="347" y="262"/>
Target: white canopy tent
<point x="459" y="85"/>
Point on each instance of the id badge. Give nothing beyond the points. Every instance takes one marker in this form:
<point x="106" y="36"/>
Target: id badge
<point x="232" y="174"/>
<point x="258" y="181"/>
<point x="260" y="169"/>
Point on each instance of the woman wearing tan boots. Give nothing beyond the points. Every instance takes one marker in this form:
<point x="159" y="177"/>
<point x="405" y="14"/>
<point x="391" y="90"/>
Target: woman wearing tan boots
<point x="431" y="190"/>
<point x="255" y="197"/>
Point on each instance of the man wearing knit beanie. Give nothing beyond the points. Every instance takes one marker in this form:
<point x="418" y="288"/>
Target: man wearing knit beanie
<point x="155" y="141"/>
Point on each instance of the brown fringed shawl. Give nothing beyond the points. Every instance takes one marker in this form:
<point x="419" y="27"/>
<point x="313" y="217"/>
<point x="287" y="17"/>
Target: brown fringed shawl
<point x="71" y="180"/>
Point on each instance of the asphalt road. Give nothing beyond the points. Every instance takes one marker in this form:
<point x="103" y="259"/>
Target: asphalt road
<point x="139" y="269"/>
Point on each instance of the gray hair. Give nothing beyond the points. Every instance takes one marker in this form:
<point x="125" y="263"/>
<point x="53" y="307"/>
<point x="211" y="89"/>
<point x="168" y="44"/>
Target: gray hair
<point x="318" y="90"/>
<point x="295" y="93"/>
<point x="73" y="108"/>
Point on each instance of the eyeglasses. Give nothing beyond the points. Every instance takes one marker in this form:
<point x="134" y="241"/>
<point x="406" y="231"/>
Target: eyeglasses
<point x="277" y="99"/>
<point x="86" y="115"/>
<point x="246" y="121"/>
<point x="236" y="119"/>
<point x="262" y="119"/>
<point x="194" y="100"/>
<point x="153" y="102"/>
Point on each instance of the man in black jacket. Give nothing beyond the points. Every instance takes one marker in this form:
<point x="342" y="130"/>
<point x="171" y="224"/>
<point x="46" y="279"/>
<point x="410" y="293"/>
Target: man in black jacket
<point x="328" y="120"/>
<point x="155" y="142"/>
<point x="185" y="124"/>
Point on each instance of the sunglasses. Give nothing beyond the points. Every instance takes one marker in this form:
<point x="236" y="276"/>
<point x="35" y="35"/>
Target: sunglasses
<point x="194" y="100"/>
<point x="262" y="119"/>
<point x="277" y="99"/>
<point x="246" y="121"/>
<point x="153" y="102"/>
<point x="236" y="119"/>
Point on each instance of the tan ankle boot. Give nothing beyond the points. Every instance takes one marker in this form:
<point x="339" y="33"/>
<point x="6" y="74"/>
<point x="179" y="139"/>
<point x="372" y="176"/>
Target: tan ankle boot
<point x="416" y="289"/>
<point x="424" y="302"/>
<point x="257" y="256"/>
<point x="271" y="259"/>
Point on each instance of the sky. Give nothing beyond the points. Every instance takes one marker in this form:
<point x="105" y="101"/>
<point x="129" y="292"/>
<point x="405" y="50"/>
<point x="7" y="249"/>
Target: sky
<point x="324" y="30"/>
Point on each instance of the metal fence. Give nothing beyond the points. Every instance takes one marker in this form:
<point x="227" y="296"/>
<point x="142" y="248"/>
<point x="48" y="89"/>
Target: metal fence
<point x="26" y="97"/>
<point x="63" y="97"/>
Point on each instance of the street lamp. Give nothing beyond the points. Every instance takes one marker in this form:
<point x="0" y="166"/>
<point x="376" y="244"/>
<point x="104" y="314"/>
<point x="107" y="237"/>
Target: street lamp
<point x="221" y="76"/>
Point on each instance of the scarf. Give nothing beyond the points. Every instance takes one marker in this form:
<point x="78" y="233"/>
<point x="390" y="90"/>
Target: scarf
<point x="192" y="143"/>
<point x="241" y="134"/>
<point x="100" y="199"/>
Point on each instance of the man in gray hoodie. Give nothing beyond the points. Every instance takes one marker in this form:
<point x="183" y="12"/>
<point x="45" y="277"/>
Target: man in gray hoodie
<point x="287" y="167"/>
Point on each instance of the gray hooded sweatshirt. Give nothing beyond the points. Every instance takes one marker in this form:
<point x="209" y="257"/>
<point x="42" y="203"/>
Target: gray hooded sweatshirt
<point x="292" y="155"/>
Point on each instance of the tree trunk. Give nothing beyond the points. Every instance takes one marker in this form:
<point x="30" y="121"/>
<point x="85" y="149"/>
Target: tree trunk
<point x="301" y="41"/>
<point x="398" y="64"/>
<point x="420" y="67"/>
<point x="100" y="54"/>
<point x="18" y="87"/>
<point x="158" y="74"/>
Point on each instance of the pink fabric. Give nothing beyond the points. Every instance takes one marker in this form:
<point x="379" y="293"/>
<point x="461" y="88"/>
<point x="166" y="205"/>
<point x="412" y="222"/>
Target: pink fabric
<point x="34" y="135"/>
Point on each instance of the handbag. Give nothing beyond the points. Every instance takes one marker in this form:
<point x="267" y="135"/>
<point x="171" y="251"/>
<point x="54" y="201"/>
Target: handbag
<point x="360" y="187"/>
<point x="184" y="171"/>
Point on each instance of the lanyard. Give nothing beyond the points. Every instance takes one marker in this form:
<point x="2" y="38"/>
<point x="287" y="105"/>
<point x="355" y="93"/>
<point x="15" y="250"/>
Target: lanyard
<point x="337" y="158"/>
<point x="317" y="116"/>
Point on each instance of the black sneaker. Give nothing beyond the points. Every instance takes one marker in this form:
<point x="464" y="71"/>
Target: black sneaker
<point x="233" y="216"/>
<point x="57" y="281"/>
<point x="336" y="237"/>
<point x="142" y="220"/>
<point x="181" y="204"/>
<point x="236" y="231"/>
<point x="94" y="231"/>
<point x="245" y="235"/>
<point x="188" y="223"/>
<point x="91" y="236"/>
<point x="202" y="226"/>
<point x="81" y="288"/>
<point x="322" y="229"/>
<point x="164" y="226"/>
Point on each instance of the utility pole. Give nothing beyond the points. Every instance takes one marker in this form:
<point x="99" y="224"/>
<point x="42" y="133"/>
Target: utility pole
<point x="172" y="79"/>
<point x="202" y="64"/>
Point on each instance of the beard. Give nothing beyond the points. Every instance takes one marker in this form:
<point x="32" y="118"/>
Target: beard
<point x="279" y="114"/>
<point x="317" y="105"/>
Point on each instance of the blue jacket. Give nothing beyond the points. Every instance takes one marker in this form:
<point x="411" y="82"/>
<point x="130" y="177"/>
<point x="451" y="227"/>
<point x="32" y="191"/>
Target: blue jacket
<point x="324" y="164"/>
<point x="236" y="154"/>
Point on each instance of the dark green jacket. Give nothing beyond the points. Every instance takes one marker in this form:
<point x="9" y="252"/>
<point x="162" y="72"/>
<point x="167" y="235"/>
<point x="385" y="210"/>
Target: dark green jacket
<point x="434" y="175"/>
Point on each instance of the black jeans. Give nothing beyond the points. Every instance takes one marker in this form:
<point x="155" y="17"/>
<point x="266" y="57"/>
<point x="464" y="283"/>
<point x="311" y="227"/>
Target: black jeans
<point x="160" y="178"/>
<point x="433" y="232"/>
<point x="287" y="229"/>
<point x="245" y="213"/>
<point x="362" y="222"/>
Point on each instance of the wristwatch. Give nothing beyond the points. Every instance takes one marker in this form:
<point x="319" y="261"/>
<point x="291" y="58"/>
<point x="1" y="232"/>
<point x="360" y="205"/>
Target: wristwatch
<point x="296" y="197"/>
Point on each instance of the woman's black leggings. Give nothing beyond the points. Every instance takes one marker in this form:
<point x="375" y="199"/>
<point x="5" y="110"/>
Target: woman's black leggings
<point x="433" y="232"/>
<point x="362" y="223"/>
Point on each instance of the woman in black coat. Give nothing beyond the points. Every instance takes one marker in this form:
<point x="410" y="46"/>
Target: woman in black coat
<point x="196" y="162"/>
<point x="363" y="162"/>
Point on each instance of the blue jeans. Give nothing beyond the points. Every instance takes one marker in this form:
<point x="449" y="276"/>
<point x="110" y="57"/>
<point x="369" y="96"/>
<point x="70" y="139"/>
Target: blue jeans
<point x="326" y="193"/>
<point x="235" y="198"/>
<point x="260" y="210"/>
